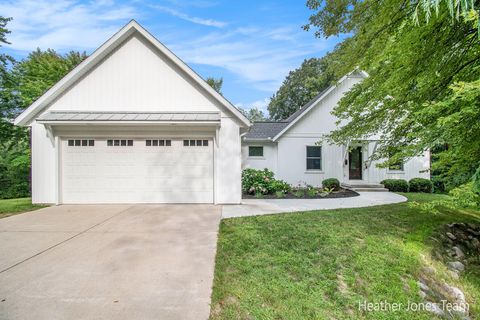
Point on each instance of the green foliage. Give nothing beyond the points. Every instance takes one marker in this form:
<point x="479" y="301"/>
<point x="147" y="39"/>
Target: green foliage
<point x="262" y="181"/>
<point x="312" y="192"/>
<point x="331" y="183"/>
<point x="396" y="185"/>
<point x="326" y="191"/>
<point x="253" y="114"/>
<point x="15" y="171"/>
<point x="420" y="185"/>
<point x="216" y="84"/>
<point x="280" y="186"/>
<point x="299" y="193"/>
<point x="299" y="87"/>
<point x="423" y="90"/>
<point x="21" y="85"/>
<point x="279" y="194"/>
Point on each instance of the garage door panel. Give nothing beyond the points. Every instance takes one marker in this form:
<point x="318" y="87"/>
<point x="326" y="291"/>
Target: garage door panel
<point x="137" y="174"/>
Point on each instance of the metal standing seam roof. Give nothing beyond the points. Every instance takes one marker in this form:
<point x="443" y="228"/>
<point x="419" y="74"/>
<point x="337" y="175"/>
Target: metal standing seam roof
<point x="130" y="116"/>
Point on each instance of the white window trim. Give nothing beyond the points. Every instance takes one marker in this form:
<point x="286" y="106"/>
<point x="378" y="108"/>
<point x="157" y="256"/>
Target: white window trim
<point x="321" y="160"/>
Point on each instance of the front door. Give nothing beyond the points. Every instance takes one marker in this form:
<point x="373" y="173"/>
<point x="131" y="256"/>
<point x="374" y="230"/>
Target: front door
<point x="355" y="163"/>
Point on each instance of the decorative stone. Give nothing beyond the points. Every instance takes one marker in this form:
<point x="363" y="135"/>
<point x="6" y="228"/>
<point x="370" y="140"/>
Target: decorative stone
<point x="475" y="243"/>
<point x="423" y="286"/>
<point x="436" y="309"/>
<point x="422" y="294"/>
<point x="458" y="253"/>
<point x="453" y="274"/>
<point x="456" y="266"/>
<point x="451" y="236"/>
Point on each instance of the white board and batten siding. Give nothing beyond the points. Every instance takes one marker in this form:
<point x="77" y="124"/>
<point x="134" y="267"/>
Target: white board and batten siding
<point x="287" y="156"/>
<point x="137" y="77"/>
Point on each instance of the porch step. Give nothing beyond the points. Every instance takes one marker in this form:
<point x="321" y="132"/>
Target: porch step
<point x="365" y="187"/>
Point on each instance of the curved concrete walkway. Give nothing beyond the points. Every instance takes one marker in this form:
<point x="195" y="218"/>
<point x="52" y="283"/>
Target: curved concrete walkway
<point x="253" y="207"/>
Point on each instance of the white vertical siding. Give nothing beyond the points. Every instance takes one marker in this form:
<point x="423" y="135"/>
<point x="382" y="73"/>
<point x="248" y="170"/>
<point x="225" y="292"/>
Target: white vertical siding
<point x="43" y="166"/>
<point x="269" y="159"/>
<point x="228" y="163"/>
<point x="135" y="77"/>
<point x="289" y="160"/>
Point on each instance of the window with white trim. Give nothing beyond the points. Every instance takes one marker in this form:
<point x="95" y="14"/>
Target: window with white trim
<point x="195" y="143"/>
<point x="81" y="142"/>
<point x="255" y="151"/>
<point x="314" y="158"/>
<point x="158" y="143"/>
<point x="119" y="143"/>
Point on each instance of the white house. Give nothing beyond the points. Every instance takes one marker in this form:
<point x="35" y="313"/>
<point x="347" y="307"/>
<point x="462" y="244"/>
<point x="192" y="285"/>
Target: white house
<point x="134" y="124"/>
<point x="290" y="148"/>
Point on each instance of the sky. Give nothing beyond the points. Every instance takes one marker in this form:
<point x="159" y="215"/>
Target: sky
<point x="252" y="45"/>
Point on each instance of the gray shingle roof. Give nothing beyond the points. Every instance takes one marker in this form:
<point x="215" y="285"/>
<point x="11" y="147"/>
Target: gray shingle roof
<point x="265" y="130"/>
<point x="269" y="129"/>
<point x="129" y="116"/>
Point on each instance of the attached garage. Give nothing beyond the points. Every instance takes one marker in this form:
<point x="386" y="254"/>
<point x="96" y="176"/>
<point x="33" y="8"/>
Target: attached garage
<point x="134" y="124"/>
<point x="132" y="170"/>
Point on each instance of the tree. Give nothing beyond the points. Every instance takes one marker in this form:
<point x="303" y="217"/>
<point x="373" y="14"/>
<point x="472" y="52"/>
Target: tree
<point x="253" y="114"/>
<point x="423" y="86"/>
<point x="300" y="86"/>
<point x="22" y="84"/>
<point x="216" y="84"/>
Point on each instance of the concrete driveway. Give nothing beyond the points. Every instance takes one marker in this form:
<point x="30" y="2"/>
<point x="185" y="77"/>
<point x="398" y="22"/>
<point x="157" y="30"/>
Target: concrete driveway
<point x="108" y="262"/>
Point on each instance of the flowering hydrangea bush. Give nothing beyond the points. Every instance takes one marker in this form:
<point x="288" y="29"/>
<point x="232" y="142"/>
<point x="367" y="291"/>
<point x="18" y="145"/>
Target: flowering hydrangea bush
<point x="262" y="182"/>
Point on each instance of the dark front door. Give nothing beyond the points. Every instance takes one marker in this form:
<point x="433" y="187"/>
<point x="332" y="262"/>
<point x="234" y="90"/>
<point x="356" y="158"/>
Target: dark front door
<point x="355" y="164"/>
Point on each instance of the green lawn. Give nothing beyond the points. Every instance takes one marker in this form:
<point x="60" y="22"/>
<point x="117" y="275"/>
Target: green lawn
<point x="321" y="264"/>
<point x="9" y="207"/>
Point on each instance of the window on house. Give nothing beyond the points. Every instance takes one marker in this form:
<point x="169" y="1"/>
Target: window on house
<point x="120" y="143"/>
<point x="205" y="143"/>
<point x="397" y="166"/>
<point x="81" y="143"/>
<point x="168" y="143"/>
<point x="255" y="151"/>
<point x="193" y="143"/>
<point x="314" y="158"/>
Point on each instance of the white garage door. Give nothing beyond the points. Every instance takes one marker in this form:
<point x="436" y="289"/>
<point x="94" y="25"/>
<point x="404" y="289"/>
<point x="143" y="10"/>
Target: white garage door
<point x="127" y="170"/>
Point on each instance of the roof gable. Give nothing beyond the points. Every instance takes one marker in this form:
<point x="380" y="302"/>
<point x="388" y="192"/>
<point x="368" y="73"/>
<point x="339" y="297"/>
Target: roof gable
<point x="102" y="54"/>
<point x="303" y="111"/>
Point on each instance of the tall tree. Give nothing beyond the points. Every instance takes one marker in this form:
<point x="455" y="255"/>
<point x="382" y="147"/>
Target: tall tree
<point x="423" y="89"/>
<point x="299" y="87"/>
<point x="216" y="84"/>
<point x="22" y="84"/>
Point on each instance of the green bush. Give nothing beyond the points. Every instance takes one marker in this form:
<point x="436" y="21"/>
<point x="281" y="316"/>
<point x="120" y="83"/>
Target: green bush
<point x="396" y="185"/>
<point x="421" y="185"/>
<point x="280" y="186"/>
<point x="262" y="181"/>
<point x="331" y="183"/>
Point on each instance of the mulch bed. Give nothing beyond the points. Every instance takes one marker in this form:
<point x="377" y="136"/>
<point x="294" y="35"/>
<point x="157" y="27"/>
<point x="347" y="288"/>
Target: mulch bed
<point x="342" y="193"/>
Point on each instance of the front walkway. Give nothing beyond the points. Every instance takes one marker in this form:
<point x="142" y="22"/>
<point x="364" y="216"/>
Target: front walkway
<point x="253" y="207"/>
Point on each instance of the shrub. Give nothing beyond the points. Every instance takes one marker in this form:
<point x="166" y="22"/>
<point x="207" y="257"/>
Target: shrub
<point x="396" y="185"/>
<point x="262" y="181"/>
<point x="254" y="181"/>
<point x="299" y="193"/>
<point x="312" y="192"/>
<point x="421" y="185"/>
<point x="280" y="186"/>
<point x="279" y="194"/>
<point x="331" y="183"/>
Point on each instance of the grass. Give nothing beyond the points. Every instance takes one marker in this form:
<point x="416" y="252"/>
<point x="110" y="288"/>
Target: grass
<point x="322" y="264"/>
<point x="10" y="207"/>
